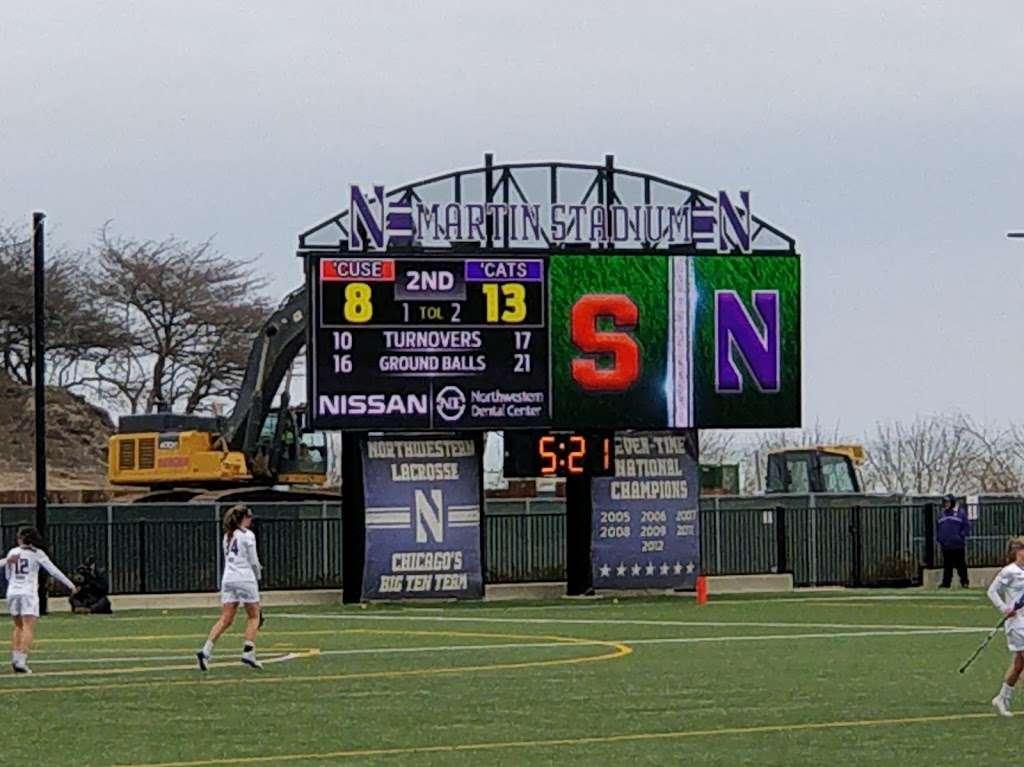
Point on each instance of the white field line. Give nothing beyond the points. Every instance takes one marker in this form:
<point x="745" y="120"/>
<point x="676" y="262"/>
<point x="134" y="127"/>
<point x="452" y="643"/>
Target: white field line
<point x="625" y="622"/>
<point x="980" y="597"/>
<point x="174" y="613"/>
<point x="274" y="658"/>
<point x="150" y="669"/>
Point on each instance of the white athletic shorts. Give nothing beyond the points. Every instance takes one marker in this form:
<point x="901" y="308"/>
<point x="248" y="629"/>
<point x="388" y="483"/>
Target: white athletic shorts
<point x="27" y="604"/>
<point x="1015" y="640"/>
<point x="233" y="593"/>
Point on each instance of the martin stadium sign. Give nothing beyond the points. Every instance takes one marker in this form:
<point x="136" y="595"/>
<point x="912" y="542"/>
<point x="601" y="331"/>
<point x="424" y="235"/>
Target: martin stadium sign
<point x="722" y="223"/>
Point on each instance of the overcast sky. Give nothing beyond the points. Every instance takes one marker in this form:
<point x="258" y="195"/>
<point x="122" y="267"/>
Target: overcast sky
<point x="888" y="138"/>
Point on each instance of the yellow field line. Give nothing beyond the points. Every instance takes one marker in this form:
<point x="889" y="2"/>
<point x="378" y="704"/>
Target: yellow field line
<point x="582" y="741"/>
<point x="619" y="650"/>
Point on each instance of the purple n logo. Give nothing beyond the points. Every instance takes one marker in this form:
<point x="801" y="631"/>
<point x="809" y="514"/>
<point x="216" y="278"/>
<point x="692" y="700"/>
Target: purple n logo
<point x="374" y="222"/>
<point x="757" y="342"/>
<point x="366" y="218"/>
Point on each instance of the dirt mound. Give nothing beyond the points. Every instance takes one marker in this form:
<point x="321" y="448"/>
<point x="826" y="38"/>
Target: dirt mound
<point x="76" y="445"/>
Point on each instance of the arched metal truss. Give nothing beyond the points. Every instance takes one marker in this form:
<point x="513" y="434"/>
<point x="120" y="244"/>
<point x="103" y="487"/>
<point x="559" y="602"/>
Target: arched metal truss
<point x="548" y="183"/>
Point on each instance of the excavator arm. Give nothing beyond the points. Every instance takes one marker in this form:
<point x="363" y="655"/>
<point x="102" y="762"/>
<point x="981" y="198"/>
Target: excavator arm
<point x="272" y="355"/>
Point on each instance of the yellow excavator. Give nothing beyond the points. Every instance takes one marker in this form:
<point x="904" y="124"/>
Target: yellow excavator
<point x="246" y="455"/>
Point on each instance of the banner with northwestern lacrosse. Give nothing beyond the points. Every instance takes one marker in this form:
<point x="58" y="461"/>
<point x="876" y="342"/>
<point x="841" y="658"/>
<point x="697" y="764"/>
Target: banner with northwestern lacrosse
<point x="422" y="518"/>
<point x="645" y="529"/>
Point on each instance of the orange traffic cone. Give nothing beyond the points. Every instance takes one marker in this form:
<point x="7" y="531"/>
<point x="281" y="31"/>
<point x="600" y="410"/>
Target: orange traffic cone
<point x="702" y="590"/>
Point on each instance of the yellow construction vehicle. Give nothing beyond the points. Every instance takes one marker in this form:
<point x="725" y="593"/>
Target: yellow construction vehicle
<point x="818" y="469"/>
<point x="241" y="456"/>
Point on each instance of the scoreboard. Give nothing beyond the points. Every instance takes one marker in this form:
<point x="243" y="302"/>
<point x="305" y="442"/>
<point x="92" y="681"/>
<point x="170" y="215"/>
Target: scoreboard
<point x="577" y="341"/>
<point x="430" y="343"/>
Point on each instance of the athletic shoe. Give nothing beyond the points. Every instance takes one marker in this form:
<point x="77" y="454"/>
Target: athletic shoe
<point x="249" y="659"/>
<point x="203" y="661"/>
<point x="1000" y="706"/>
<point x="21" y="669"/>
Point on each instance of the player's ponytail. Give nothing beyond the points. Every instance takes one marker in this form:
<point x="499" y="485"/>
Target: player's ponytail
<point x="233" y="519"/>
<point x="1015" y="545"/>
<point x="29" y="536"/>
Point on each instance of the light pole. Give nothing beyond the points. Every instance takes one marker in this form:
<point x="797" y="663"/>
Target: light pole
<point x="39" y="381"/>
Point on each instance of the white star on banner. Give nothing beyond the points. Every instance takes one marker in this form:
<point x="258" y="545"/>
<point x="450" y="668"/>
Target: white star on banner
<point x="620" y="570"/>
<point x="690" y="567"/>
<point x="663" y="569"/>
<point x="649" y="569"/>
<point x="605" y="571"/>
<point x="677" y="568"/>
<point x="634" y="570"/>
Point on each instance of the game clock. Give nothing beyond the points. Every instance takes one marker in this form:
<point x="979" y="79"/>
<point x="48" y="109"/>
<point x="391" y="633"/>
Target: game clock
<point x="559" y="454"/>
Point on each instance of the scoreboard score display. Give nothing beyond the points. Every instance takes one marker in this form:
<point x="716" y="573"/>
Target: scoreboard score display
<point x="569" y="341"/>
<point x="430" y="343"/>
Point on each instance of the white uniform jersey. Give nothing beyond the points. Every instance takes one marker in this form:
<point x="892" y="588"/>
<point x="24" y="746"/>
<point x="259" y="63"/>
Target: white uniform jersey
<point x="241" y="562"/>
<point x="23" y="563"/>
<point x="1005" y="590"/>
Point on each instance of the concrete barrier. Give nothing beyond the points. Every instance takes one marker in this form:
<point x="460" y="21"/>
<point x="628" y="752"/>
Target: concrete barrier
<point x="502" y="592"/>
<point x="749" y="584"/>
<point x="205" y="600"/>
<point x="980" y="577"/>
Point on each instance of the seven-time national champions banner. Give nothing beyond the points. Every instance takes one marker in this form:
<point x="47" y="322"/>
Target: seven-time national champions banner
<point x="422" y="518"/>
<point x="645" y="530"/>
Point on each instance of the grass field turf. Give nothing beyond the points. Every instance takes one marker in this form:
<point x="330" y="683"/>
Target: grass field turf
<point x="866" y="678"/>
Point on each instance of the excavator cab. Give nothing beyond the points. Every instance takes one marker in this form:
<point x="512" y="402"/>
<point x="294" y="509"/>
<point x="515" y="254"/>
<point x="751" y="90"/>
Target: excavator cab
<point x="820" y="469"/>
<point x="301" y="455"/>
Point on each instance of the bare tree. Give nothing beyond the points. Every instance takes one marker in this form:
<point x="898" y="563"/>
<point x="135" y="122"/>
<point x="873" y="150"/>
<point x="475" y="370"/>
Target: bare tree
<point x="929" y="455"/>
<point x="717" y="446"/>
<point x="192" y="313"/>
<point x="76" y="327"/>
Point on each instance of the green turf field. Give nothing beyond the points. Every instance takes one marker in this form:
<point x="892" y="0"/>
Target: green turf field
<point x="858" y="678"/>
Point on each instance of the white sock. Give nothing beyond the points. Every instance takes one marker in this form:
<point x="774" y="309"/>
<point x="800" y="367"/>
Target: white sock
<point x="1006" y="692"/>
<point x="20" y="658"/>
<point x="208" y="649"/>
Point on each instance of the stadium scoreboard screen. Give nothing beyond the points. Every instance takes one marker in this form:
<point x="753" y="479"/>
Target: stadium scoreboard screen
<point x="578" y="341"/>
<point x="431" y="343"/>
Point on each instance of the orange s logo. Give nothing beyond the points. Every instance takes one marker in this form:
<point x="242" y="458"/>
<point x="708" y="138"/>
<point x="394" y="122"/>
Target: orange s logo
<point x="623" y="348"/>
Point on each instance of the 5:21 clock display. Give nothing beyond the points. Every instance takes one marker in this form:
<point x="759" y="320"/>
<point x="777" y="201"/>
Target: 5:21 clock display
<point x="559" y="454"/>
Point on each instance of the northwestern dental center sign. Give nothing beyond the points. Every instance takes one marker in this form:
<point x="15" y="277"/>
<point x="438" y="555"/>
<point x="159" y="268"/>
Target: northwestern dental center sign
<point x="722" y="223"/>
<point x="422" y="518"/>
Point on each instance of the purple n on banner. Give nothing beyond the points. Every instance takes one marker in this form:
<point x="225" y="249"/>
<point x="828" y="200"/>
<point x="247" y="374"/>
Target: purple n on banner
<point x="429" y="516"/>
<point x="737" y="333"/>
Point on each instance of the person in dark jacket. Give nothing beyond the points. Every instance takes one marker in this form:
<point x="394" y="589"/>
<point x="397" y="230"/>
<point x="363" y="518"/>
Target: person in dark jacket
<point x="951" y="531"/>
<point x="93" y="589"/>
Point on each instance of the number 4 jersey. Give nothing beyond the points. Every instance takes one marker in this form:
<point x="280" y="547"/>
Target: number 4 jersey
<point x="241" y="563"/>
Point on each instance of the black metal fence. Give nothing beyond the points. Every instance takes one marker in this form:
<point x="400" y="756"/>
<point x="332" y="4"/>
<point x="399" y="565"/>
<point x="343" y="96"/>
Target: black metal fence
<point x="524" y="540"/>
